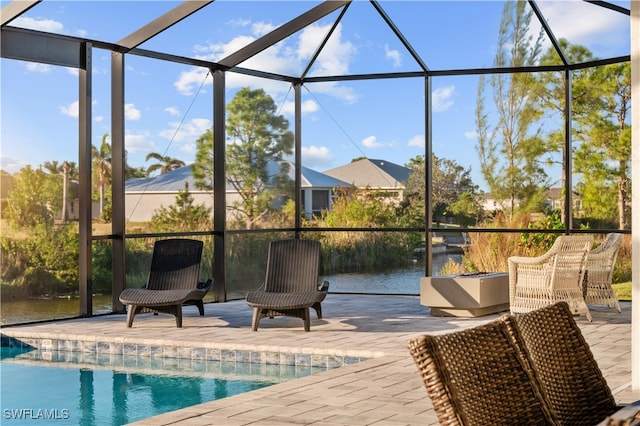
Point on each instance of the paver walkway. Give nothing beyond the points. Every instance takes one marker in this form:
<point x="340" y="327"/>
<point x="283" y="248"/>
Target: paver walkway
<point x="383" y="390"/>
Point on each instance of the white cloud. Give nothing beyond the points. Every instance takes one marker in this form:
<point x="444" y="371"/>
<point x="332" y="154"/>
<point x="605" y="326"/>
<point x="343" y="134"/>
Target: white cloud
<point x="262" y="28"/>
<point x="131" y="112"/>
<point x="307" y="106"/>
<point x="371" y="142"/>
<point x="98" y="119"/>
<point x="173" y="111"/>
<point x="47" y="25"/>
<point x="189" y="80"/>
<point x="472" y="135"/>
<point x="393" y="54"/>
<point x="239" y="22"/>
<point x="336" y="54"/>
<point x="217" y="51"/>
<point x="316" y="156"/>
<point x="585" y="24"/>
<point x="187" y="132"/>
<point x="35" y="67"/>
<point x="72" y="110"/>
<point x="347" y="94"/>
<point x="417" y="140"/>
<point x="139" y="142"/>
<point x="442" y="98"/>
<point x="282" y="58"/>
<point x="10" y="165"/>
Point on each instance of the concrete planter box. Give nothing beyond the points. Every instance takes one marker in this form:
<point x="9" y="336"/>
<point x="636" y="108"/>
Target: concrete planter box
<point x="465" y="296"/>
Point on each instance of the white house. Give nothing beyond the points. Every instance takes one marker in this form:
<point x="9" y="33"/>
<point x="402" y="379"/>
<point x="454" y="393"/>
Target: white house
<point x="379" y="175"/>
<point x="554" y="200"/>
<point x="143" y="196"/>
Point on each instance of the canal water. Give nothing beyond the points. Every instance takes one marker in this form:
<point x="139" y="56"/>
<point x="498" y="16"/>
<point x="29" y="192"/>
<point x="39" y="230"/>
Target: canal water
<point x="404" y="280"/>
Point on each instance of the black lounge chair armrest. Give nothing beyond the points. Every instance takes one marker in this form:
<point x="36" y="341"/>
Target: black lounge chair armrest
<point x="324" y="286"/>
<point x="205" y="285"/>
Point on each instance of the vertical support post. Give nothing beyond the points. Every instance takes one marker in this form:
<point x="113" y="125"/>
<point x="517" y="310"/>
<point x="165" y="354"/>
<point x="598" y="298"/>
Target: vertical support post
<point x="118" y="276"/>
<point x="298" y="157"/>
<point x="635" y="195"/>
<point x="219" y="186"/>
<point x="567" y="159"/>
<point x="428" y="178"/>
<point x="84" y="167"/>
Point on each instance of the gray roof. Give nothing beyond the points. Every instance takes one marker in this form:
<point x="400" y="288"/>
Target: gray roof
<point x="174" y="180"/>
<point x="372" y="173"/>
<point x="312" y="178"/>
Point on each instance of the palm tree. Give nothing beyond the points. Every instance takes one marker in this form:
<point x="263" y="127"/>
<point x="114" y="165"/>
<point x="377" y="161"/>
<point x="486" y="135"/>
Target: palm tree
<point x="132" y="172"/>
<point x="165" y="164"/>
<point x="68" y="170"/>
<point x="102" y="164"/>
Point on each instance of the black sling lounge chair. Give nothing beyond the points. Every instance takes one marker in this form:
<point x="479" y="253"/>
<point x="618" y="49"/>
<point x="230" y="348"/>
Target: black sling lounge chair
<point x="173" y="281"/>
<point x="291" y="283"/>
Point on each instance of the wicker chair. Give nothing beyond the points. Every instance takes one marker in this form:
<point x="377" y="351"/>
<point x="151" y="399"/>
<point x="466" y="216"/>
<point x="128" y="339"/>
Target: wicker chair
<point x="291" y="284"/>
<point x="566" y="369"/>
<point x="172" y="282"/>
<point x="599" y="266"/>
<point x="478" y="377"/>
<point x="557" y="275"/>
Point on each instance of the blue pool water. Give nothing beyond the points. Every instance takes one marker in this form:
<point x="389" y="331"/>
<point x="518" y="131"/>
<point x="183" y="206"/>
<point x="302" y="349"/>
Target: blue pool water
<point x="58" y="388"/>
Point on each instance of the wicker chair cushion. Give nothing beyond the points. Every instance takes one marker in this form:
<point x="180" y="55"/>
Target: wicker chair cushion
<point x="267" y="299"/>
<point x="136" y="296"/>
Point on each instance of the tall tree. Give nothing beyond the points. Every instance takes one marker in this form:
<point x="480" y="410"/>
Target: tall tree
<point x="164" y="164"/>
<point x="510" y="152"/>
<point x="34" y="191"/>
<point x="450" y="183"/>
<point x="202" y="168"/>
<point x="69" y="171"/>
<point x="102" y="167"/>
<point x="258" y="140"/>
<point x="603" y="156"/>
<point x="55" y="169"/>
<point x="550" y="91"/>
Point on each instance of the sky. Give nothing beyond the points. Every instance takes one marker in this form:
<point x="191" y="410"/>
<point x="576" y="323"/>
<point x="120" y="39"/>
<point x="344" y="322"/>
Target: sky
<point x="168" y="106"/>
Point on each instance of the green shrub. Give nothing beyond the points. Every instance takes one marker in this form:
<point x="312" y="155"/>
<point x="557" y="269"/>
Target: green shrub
<point x="45" y="262"/>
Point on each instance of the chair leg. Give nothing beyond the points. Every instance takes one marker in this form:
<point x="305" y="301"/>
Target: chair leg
<point x="200" y="306"/>
<point x="132" y="311"/>
<point x="179" y="315"/>
<point x="256" y="319"/>
<point x="307" y="320"/>
<point x="618" y="308"/>
<point x="318" y="307"/>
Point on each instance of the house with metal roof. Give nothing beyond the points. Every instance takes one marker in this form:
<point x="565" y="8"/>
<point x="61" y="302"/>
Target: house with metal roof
<point x="143" y="196"/>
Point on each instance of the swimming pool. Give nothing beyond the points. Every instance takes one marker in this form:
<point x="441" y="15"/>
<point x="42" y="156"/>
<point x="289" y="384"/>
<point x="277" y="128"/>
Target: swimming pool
<point x="67" y="388"/>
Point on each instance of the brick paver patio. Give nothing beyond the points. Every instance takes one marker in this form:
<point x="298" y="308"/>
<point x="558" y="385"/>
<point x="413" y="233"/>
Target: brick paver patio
<point x="384" y="389"/>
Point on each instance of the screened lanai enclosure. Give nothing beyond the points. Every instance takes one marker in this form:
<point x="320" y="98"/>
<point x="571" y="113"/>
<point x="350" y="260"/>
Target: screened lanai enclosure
<point x="437" y="135"/>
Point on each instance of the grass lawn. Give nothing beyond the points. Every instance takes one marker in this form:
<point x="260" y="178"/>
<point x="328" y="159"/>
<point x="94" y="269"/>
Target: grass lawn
<point x="623" y="290"/>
